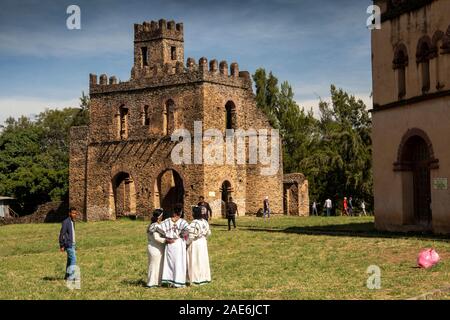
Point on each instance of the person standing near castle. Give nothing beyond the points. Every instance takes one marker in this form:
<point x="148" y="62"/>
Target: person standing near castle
<point x="67" y="243"/>
<point x="155" y="250"/>
<point x="199" y="271"/>
<point x="266" y="207"/>
<point x="175" y="230"/>
<point x="328" y="206"/>
<point x="363" y="207"/>
<point x="232" y="210"/>
<point x="345" y="207"/>
<point x="314" y="208"/>
<point x="206" y="209"/>
<point x="350" y="206"/>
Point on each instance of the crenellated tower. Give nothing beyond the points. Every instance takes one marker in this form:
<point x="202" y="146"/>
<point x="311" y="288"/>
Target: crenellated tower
<point x="157" y="44"/>
<point x="121" y="164"/>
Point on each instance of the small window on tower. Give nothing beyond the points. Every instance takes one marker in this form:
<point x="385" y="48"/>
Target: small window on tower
<point x="173" y="52"/>
<point x="123" y="122"/>
<point x="146" y="116"/>
<point x="144" y="56"/>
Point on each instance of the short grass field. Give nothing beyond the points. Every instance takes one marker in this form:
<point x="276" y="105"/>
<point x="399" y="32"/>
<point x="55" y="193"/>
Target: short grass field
<point x="280" y="258"/>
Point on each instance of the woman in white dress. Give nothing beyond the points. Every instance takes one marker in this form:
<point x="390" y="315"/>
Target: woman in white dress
<point x="197" y="254"/>
<point x="155" y="250"/>
<point x="175" y="230"/>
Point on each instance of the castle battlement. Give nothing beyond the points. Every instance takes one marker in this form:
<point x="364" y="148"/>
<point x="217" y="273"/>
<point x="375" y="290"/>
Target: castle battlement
<point x="161" y="75"/>
<point x="154" y="30"/>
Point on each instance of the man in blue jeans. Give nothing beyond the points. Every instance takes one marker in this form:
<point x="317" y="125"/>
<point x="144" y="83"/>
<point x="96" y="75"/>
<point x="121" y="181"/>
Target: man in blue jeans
<point x="67" y="243"/>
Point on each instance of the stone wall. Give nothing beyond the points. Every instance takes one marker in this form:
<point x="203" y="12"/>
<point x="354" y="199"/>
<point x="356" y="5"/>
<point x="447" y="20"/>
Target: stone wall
<point x="77" y="168"/>
<point x="50" y="212"/>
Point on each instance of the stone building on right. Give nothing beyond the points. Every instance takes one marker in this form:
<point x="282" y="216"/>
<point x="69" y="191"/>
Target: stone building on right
<point x="411" y="116"/>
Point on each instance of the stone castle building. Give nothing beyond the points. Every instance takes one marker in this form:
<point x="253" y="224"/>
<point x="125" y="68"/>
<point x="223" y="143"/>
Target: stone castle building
<point x="121" y="163"/>
<point x="411" y="115"/>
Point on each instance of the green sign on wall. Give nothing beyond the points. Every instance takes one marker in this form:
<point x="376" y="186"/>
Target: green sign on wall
<point x="440" y="184"/>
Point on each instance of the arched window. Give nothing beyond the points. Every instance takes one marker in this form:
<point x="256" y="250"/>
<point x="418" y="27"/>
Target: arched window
<point x="173" y="53"/>
<point x="424" y="54"/>
<point x="400" y="63"/>
<point x="437" y="42"/>
<point x="144" y="53"/>
<point x="123" y="122"/>
<point x="146" y="116"/>
<point x="168" y="117"/>
<point x="230" y="117"/>
<point x="446" y="42"/>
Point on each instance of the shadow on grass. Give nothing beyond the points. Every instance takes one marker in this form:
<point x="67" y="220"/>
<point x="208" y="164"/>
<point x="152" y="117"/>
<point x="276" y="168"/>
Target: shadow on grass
<point x="134" y="283"/>
<point x="364" y="229"/>
<point x="53" y="278"/>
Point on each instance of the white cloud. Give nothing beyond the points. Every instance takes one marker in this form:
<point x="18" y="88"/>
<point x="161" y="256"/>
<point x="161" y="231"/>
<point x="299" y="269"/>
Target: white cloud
<point x="20" y="106"/>
<point x="314" y="103"/>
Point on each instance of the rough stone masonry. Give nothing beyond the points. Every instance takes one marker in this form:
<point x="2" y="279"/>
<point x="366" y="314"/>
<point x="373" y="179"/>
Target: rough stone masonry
<point x="120" y="165"/>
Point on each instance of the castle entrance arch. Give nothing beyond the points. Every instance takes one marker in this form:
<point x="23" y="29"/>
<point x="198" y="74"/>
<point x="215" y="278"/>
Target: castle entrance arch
<point x="124" y="193"/>
<point x="168" y="190"/>
<point x="415" y="161"/>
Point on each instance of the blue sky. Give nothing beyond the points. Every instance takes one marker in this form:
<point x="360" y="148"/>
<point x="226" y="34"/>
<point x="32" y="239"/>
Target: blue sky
<point x="310" y="43"/>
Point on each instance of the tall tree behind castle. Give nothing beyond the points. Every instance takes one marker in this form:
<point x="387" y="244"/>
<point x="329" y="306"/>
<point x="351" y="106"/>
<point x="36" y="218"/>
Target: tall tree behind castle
<point x="34" y="155"/>
<point x="334" y="152"/>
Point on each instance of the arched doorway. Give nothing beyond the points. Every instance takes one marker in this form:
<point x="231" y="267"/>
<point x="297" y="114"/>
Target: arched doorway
<point x="226" y="194"/>
<point x="169" y="190"/>
<point x="416" y="159"/>
<point x="290" y="199"/>
<point x="124" y="193"/>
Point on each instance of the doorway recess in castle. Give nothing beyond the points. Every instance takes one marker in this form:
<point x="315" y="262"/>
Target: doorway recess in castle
<point x="124" y="193"/>
<point x="416" y="157"/>
<point x="169" y="190"/>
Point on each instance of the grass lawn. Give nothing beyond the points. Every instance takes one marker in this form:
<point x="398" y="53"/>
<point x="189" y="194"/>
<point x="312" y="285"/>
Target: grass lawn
<point x="282" y="258"/>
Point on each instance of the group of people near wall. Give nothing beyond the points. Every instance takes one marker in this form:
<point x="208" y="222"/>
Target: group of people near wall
<point x="177" y="250"/>
<point x="347" y="207"/>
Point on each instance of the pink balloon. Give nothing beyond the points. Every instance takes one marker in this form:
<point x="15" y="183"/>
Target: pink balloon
<point x="427" y="258"/>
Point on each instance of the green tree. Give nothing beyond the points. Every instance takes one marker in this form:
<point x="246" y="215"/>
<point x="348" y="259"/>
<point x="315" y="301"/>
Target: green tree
<point x="340" y="162"/>
<point x="267" y="95"/>
<point x="334" y="152"/>
<point x="34" y="155"/>
<point x="82" y="117"/>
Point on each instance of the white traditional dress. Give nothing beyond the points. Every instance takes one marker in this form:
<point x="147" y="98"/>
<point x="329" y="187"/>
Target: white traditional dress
<point x="174" y="268"/>
<point x="197" y="256"/>
<point x="155" y="251"/>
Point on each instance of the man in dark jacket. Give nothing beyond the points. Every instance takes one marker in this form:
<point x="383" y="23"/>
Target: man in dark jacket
<point x="350" y="206"/>
<point x="67" y="242"/>
<point x="232" y="210"/>
<point x="206" y="209"/>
